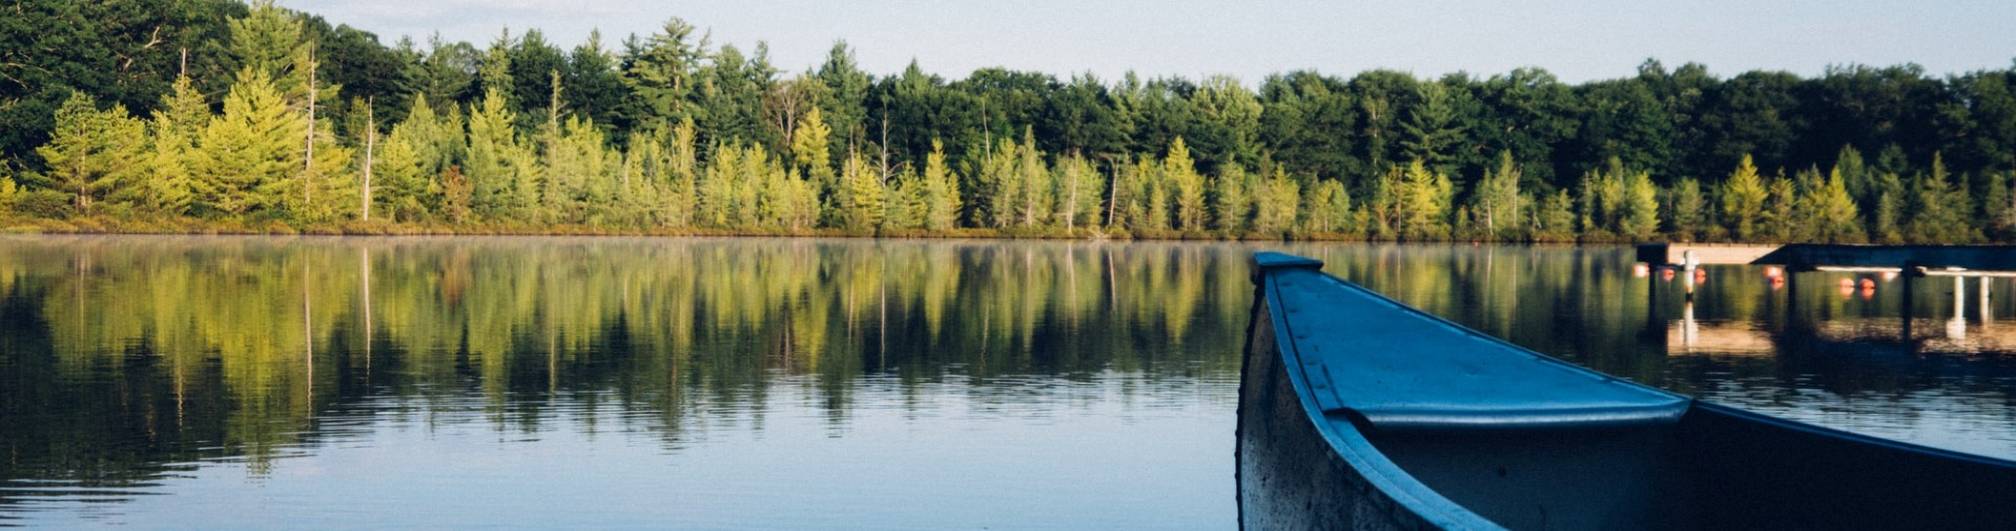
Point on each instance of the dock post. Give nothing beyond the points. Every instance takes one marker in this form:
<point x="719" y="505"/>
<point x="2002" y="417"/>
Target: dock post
<point x="1956" y="328"/>
<point x="1687" y="264"/>
<point x="1987" y="314"/>
<point x="1904" y="279"/>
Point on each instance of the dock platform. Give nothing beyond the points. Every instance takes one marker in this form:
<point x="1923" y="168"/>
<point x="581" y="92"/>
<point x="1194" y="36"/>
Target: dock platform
<point x="1917" y="260"/>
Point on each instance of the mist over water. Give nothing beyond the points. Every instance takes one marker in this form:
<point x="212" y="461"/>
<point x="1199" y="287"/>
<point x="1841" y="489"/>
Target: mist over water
<point x="789" y="383"/>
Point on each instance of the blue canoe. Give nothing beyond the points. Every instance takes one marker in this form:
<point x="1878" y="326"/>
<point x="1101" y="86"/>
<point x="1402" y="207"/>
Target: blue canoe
<point x="1358" y="412"/>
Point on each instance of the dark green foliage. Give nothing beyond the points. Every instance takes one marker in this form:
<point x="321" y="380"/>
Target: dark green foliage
<point x="524" y="130"/>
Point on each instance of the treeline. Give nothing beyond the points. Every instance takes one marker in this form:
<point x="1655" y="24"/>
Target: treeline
<point x="128" y="115"/>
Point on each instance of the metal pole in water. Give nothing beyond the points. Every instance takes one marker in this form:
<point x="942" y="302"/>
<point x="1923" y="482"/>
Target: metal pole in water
<point x="1904" y="278"/>
<point x="1956" y="327"/>
<point x="1987" y="313"/>
<point x="1687" y="264"/>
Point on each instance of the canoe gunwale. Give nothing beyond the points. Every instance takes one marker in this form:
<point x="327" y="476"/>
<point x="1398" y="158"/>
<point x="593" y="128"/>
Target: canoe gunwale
<point x="1708" y="465"/>
<point x="1342" y="433"/>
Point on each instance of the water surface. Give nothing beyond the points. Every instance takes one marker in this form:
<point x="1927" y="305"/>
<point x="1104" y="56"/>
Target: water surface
<point x="792" y="383"/>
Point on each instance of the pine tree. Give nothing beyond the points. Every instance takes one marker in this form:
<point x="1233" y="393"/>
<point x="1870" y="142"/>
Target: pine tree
<point x="268" y="39"/>
<point x="811" y="148"/>
<point x="1640" y="218"/>
<point x="1999" y="207"/>
<point x="1431" y="131"/>
<point x="1827" y="210"/>
<point x="248" y="149"/>
<point x="1780" y="222"/>
<point x="783" y="200"/>
<point x="1743" y="197"/>
<point x="1887" y="223"/>
<point x="1180" y="171"/>
<point x="1555" y="219"/>
<point x="1276" y="204"/>
<point x="1326" y="207"/>
<point x="93" y="153"/>
<point x="999" y="183"/>
<point x="941" y="191"/>
<point x="905" y="204"/>
<point x="861" y="197"/>
<point x="745" y="183"/>
<point x="493" y="154"/>
<point x="1941" y="209"/>
<point x="170" y="186"/>
<point x="1155" y="193"/>
<point x="1078" y="191"/>
<point x="1688" y="211"/>
<point x="1232" y="200"/>
<point x="1423" y="203"/>
<point x="714" y="191"/>
<point x="1856" y="177"/>
<point x="1496" y="203"/>
<point x="402" y="189"/>
<point x="1033" y="183"/>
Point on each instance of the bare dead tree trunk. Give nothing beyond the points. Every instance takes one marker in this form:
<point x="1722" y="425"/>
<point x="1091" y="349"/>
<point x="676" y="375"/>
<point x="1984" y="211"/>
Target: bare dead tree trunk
<point x="370" y="145"/>
<point x="308" y="170"/>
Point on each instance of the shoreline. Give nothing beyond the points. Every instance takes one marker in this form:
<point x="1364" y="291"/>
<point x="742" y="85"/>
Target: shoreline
<point x="194" y="227"/>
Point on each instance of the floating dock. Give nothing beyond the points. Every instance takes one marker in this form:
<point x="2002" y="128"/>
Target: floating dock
<point x="1915" y="260"/>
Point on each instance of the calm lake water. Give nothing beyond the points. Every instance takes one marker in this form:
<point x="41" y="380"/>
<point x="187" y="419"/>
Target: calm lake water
<point x="791" y="383"/>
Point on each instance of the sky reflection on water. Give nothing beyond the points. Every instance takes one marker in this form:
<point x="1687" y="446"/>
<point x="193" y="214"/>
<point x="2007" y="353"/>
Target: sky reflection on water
<point x="769" y="383"/>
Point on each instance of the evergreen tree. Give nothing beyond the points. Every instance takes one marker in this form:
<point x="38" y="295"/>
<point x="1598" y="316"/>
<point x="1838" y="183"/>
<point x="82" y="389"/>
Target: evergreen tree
<point x="1327" y="207"/>
<point x="905" y="204"/>
<point x="861" y="197"/>
<point x="1181" y="173"/>
<point x="1887" y="225"/>
<point x="170" y="187"/>
<point x="811" y="149"/>
<point x="1780" y="222"/>
<point x="1555" y="219"/>
<point x="1497" y="203"/>
<point x="1999" y="207"/>
<point x="494" y="155"/>
<point x="1423" y="202"/>
<point x="1856" y="176"/>
<point x="1743" y="197"/>
<point x="1033" y="188"/>
<point x="1941" y="209"/>
<point x="268" y="39"/>
<point x="93" y="153"/>
<point x="1232" y="198"/>
<point x="246" y="150"/>
<point x="1640" y="219"/>
<point x="999" y="183"/>
<point x="1828" y="211"/>
<point x="786" y="200"/>
<point x="1688" y="211"/>
<point x="940" y="191"/>
<point x="1275" y="206"/>
<point x="402" y="189"/>
<point x="1078" y="191"/>
<point x="1431" y="131"/>
<point x="660" y="71"/>
<point x="714" y="201"/>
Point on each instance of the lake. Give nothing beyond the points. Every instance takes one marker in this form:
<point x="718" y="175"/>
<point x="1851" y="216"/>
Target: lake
<point x="260" y="382"/>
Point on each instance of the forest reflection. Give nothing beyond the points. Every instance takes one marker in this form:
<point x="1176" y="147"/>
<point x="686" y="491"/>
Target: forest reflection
<point x="127" y="362"/>
<point x="123" y="353"/>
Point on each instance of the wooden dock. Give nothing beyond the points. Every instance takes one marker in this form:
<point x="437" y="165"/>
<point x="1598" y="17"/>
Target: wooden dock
<point x="1916" y="260"/>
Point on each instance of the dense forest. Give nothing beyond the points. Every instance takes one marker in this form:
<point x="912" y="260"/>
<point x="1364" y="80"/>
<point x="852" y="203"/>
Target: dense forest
<point x="213" y="115"/>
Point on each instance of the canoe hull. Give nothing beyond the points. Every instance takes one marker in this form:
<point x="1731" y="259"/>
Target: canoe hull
<point x="1290" y="476"/>
<point x="1302" y="464"/>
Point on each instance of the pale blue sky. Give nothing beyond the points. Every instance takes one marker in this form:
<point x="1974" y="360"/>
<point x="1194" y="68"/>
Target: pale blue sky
<point x="1576" y="39"/>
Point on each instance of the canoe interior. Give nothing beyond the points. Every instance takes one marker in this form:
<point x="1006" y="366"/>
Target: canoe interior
<point x="1302" y="465"/>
